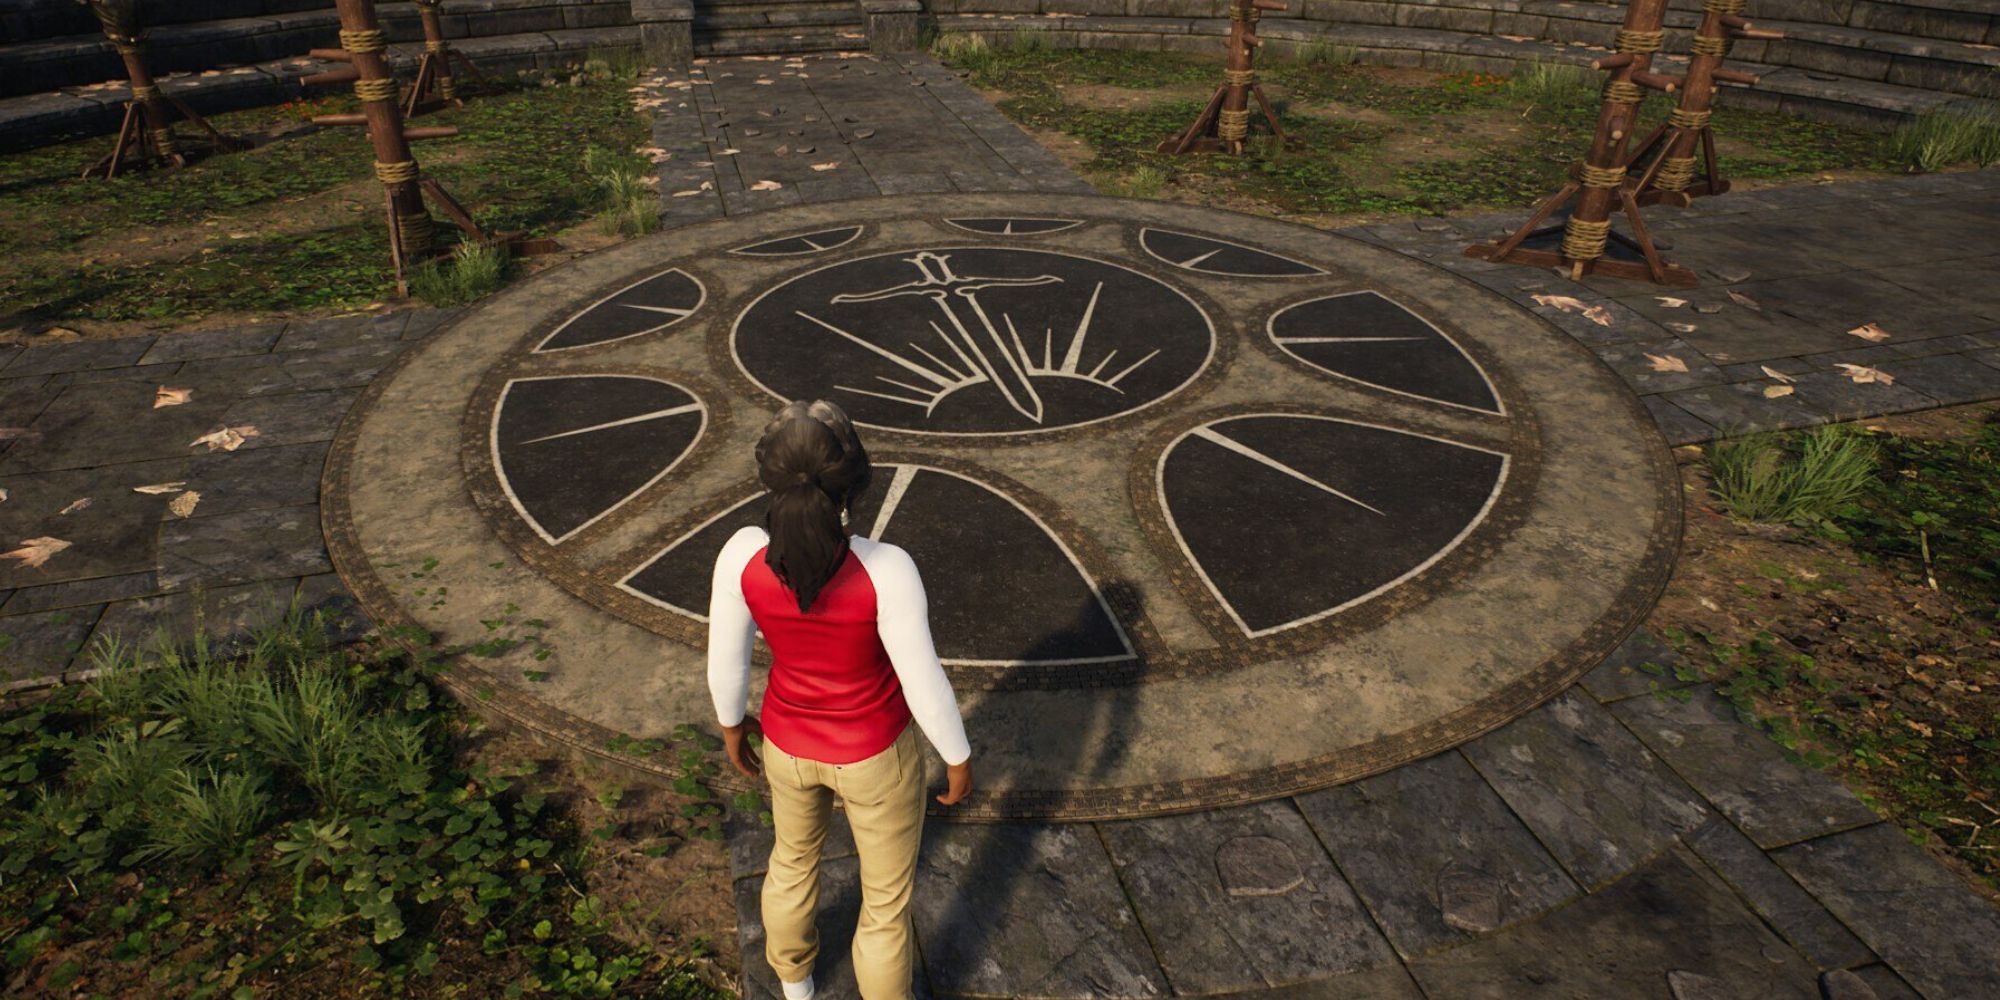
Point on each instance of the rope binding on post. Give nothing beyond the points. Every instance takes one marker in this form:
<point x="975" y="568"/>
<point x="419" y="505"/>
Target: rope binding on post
<point x="1640" y="42"/>
<point x="1585" y="240"/>
<point x="368" y="40"/>
<point x="396" y="173"/>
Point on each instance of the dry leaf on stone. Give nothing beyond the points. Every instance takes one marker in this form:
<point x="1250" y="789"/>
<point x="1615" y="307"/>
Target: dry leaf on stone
<point x="1598" y="315"/>
<point x="226" y="439"/>
<point x="1563" y="302"/>
<point x="1745" y="301"/>
<point x="763" y="81"/>
<point x="1681" y="327"/>
<point x="1774" y="391"/>
<point x="183" y="505"/>
<point x="36" y="551"/>
<point x="1776" y="374"/>
<point x="1864" y="374"/>
<point x="75" y="505"/>
<point x="727" y="152"/>
<point x="158" y="488"/>
<point x="864" y="133"/>
<point x="766" y="186"/>
<point x="1669" y="302"/>
<point x="782" y="151"/>
<point x="1666" y="363"/>
<point x="825" y="166"/>
<point x="689" y="193"/>
<point x="1870" y="332"/>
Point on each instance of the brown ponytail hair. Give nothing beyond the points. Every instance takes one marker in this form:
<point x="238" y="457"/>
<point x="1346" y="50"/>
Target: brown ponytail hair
<point x="812" y="462"/>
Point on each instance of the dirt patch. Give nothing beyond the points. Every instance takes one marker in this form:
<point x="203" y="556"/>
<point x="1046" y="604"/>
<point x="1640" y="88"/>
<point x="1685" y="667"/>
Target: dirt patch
<point x="1105" y="96"/>
<point x="1889" y="684"/>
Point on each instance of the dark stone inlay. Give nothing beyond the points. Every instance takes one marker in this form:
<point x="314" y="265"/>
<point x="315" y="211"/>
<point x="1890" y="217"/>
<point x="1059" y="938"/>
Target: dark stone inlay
<point x="1374" y="340"/>
<point x="1035" y="605"/>
<point x="570" y="448"/>
<point x="974" y="340"/>
<point x="1212" y="256"/>
<point x="792" y="246"/>
<point x="1015" y="227"/>
<point x="648" y="305"/>
<point x="1292" y="518"/>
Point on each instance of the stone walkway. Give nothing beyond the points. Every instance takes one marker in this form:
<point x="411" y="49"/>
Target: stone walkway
<point x="1609" y="843"/>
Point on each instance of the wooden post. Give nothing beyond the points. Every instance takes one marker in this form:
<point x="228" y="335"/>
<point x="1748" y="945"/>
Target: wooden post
<point x="1672" y="173"/>
<point x="435" y="86"/>
<point x="1599" y="183"/>
<point x="1225" y="123"/>
<point x="146" y="137"/>
<point x="409" y="222"/>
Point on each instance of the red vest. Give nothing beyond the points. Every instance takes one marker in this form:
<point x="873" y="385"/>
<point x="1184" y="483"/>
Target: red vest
<point x="832" y="696"/>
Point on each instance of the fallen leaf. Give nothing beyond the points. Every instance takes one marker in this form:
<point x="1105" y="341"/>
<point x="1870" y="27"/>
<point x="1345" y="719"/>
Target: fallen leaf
<point x="3" y="496"/>
<point x="75" y="505"/>
<point x="1667" y="363"/>
<point x="170" y="396"/>
<point x="36" y="551"/>
<point x="763" y="81"/>
<point x="825" y="166"/>
<point x="1774" y="391"/>
<point x="1864" y="374"/>
<point x="1669" y="302"/>
<point x="689" y="193"/>
<point x="1563" y="302"/>
<point x="766" y="186"/>
<point x="727" y="152"/>
<point x="864" y="133"/>
<point x="183" y="505"/>
<point x="158" y="488"/>
<point x="1745" y="301"/>
<point x="1681" y="327"/>
<point x="1776" y="374"/>
<point x="1870" y="332"/>
<point x="1598" y="315"/>
<point x="226" y="439"/>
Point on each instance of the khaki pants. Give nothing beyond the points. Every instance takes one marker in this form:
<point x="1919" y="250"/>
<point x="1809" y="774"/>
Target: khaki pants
<point x="884" y="799"/>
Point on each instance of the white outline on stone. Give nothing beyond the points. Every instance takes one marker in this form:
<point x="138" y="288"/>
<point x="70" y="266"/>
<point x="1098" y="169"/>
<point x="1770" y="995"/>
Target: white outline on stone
<point x="500" y="467"/>
<point x="1271" y="332"/>
<point x="751" y="251"/>
<point x="736" y="326"/>
<point x="1186" y="265"/>
<point x="700" y="300"/>
<point x="1173" y="524"/>
<point x="1067" y="224"/>
<point x="881" y="520"/>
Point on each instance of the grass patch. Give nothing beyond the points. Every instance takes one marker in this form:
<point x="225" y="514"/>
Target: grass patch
<point x="288" y="816"/>
<point x="472" y="271"/>
<point x="625" y="182"/>
<point x="1947" y="137"/>
<point x="1802" y="478"/>
<point x="1548" y="84"/>
<point x="1929" y="513"/>
<point x="1326" y="53"/>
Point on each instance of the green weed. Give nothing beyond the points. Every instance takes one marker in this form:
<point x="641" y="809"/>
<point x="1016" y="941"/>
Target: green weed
<point x="1948" y="136"/>
<point x="1554" y="84"/>
<point x="1328" y="53"/>
<point x="472" y="271"/>
<point x="625" y="181"/>
<point x="619" y="63"/>
<point x="1763" y="477"/>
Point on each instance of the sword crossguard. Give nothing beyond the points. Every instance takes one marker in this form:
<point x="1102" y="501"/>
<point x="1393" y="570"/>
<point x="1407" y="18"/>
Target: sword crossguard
<point x="938" y="278"/>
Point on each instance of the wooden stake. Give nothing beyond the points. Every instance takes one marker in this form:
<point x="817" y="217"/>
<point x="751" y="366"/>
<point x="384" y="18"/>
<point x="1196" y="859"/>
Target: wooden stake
<point x="1225" y="123"/>
<point x="1672" y="174"/>
<point x="146" y="135"/>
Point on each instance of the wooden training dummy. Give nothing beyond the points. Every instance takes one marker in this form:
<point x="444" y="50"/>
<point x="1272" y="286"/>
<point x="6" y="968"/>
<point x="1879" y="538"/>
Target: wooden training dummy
<point x="1671" y="173"/>
<point x="146" y="137"/>
<point x="434" y="86"/>
<point x="1225" y="123"/>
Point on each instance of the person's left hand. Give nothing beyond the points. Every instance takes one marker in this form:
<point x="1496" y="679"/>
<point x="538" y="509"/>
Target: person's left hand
<point x="737" y="740"/>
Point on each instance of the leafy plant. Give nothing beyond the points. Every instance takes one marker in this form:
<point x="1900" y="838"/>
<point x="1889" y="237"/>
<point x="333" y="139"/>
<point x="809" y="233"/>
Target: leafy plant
<point x="1764" y="477"/>
<point x="473" y="270"/>
<point x="1945" y="136"/>
<point x="625" y="183"/>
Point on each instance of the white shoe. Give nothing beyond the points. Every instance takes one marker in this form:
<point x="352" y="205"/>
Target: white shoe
<point x="801" y="990"/>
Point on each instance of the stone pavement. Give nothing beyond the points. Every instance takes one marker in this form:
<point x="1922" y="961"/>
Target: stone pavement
<point x="1613" y="842"/>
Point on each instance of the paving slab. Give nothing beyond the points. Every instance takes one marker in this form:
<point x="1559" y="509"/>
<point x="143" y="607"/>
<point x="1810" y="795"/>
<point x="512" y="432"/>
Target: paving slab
<point x="82" y="355"/>
<point x="272" y="543"/>
<point x="1238" y="899"/>
<point x="341" y="331"/>
<point x="1921" y="917"/>
<point x="291" y="371"/>
<point x="1947" y="378"/>
<point x="1642" y="664"/>
<point x="43" y="643"/>
<point x="107" y="423"/>
<point x="1590" y="791"/>
<point x="1789" y="909"/>
<point x="223" y="613"/>
<point x="112" y="534"/>
<point x="1028" y="910"/>
<point x="1739" y="770"/>
<point x="250" y="478"/>
<point x="1403" y="837"/>
<point x="291" y="418"/>
<point x="1665" y="918"/>
<point x="325" y="594"/>
<point x="77" y="593"/>
<point x="256" y="338"/>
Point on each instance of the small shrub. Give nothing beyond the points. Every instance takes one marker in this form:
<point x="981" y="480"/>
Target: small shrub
<point x="1327" y="53"/>
<point x="1550" y="84"/>
<point x="473" y="270"/>
<point x="619" y="63"/>
<point x="1758" y="478"/>
<point x="625" y="183"/>
<point x="1144" y="181"/>
<point x="1946" y="136"/>
<point x="207" y="814"/>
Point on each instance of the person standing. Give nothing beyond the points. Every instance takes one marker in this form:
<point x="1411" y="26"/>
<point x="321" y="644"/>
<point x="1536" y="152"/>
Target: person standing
<point x="853" y="677"/>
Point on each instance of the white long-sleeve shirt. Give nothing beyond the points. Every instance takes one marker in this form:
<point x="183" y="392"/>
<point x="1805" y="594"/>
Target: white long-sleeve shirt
<point x="902" y="623"/>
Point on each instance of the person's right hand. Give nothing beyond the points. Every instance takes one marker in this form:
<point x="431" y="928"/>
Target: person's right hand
<point x="736" y="740"/>
<point x="959" y="776"/>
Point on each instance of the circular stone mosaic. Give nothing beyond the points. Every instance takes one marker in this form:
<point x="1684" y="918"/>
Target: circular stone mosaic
<point x="1209" y="508"/>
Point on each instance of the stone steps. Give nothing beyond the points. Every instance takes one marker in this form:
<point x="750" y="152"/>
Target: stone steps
<point x="212" y="43"/>
<point x="95" y="109"/>
<point x="777" y="41"/>
<point x="764" y="27"/>
<point x="718" y="22"/>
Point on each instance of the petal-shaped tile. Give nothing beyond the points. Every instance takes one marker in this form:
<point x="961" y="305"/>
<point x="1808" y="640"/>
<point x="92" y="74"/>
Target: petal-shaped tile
<point x="1367" y="337"/>
<point x="1002" y="588"/>
<point x="793" y="246"/>
<point x="1290" y="518"/>
<point x="1213" y="256"/>
<point x="570" y="449"/>
<point x="644" y="306"/>
<point x="1015" y="227"/>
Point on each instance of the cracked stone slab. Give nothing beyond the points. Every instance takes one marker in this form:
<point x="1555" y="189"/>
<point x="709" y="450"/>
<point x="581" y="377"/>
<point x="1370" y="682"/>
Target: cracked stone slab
<point x="1921" y="917"/>
<point x="113" y="535"/>
<point x="1241" y="898"/>
<point x="1773" y="894"/>
<point x="1624" y="941"/>
<point x="1028" y="910"/>
<point x="1414" y="841"/>
<point x="106" y="423"/>
<point x="1589" y="790"/>
<point x="43" y="643"/>
<point x="1642" y="664"/>
<point x="267" y="544"/>
<point x="1740" y="771"/>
